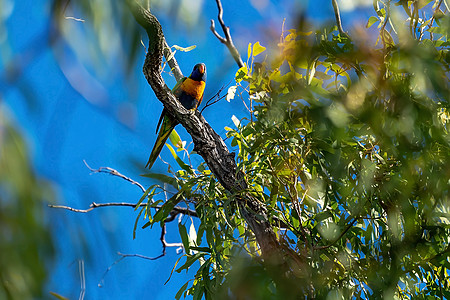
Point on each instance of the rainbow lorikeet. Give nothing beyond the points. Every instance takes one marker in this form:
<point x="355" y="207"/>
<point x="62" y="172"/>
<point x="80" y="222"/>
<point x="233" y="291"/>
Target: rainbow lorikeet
<point x="189" y="91"/>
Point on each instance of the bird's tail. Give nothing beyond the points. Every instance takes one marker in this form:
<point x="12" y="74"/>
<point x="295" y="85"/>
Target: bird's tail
<point x="166" y="128"/>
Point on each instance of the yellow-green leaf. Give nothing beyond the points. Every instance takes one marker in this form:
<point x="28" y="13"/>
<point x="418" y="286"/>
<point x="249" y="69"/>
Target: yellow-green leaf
<point x="58" y="296"/>
<point x="371" y="21"/>
<point x="175" y="139"/>
<point x="181" y="163"/>
<point x="241" y="73"/>
<point x="258" y="49"/>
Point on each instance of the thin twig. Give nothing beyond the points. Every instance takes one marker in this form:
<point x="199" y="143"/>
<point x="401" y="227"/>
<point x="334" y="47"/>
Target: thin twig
<point x="173" y="64"/>
<point x="75" y="19"/>
<point x="176" y="210"/>
<point x="430" y="25"/>
<point x="338" y="18"/>
<point x="141" y="256"/>
<point x="210" y="102"/>
<point x="164" y="246"/>
<point x="113" y="172"/>
<point x="100" y="284"/>
<point x="227" y="40"/>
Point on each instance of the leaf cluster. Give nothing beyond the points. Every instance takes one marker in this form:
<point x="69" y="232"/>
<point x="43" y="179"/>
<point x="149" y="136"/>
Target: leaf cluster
<point x="348" y="148"/>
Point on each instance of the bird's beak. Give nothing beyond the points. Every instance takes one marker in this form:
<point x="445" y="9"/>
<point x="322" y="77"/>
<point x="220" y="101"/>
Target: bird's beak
<point x="201" y="69"/>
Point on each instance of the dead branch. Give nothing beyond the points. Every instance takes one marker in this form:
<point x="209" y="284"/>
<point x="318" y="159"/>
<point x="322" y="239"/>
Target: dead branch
<point x="163" y="253"/>
<point x="113" y="172"/>
<point x="176" y="210"/>
<point x="227" y="41"/>
<point x="216" y="98"/>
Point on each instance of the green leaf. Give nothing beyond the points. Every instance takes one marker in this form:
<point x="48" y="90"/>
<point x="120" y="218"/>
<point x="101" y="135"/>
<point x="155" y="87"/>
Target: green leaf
<point x="241" y="74"/>
<point x="258" y="49"/>
<point x="175" y="139"/>
<point x="151" y="188"/>
<point x="249" y="49"/>
<point x="189" y="261"/>
<point x="181" y="291"/>
<point x="323" y="215"/>
<point x="198" y="293"/>
<point x="387" y="38"/>
<point x="181" y="163"/>
<point x="202" y="249"/>
<point x="58" y="296"/>
<point x="136" y="222"/>
<point x="184" y="237"/>
<point x="167" y="207"/>
<point x="372" y="20"/>
<point x="146" y="225"/>
<point x="164" y="178"/>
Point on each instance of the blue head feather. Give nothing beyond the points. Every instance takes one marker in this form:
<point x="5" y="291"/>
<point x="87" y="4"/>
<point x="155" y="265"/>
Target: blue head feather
<point x="199" y="72"/>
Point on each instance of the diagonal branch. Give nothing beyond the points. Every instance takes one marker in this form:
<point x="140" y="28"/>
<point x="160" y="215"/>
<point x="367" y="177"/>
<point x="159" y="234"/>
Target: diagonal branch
<point x="113" y="172"/>
<point x="227" y="40"/>
<point x="209" y="144"/>
<point x="337" y="15"/>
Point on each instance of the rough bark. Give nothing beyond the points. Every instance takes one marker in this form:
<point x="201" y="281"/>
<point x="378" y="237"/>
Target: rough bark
<point x="209" y="145"/>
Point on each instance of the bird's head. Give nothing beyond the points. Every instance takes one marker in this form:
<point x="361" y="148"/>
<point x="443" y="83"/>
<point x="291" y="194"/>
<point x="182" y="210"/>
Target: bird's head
<point x="199" y="72"/>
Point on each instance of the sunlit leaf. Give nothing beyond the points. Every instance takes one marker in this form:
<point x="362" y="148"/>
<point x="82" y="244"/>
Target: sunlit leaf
<point x="184" y="236"/>
<point x="231" y="92"/>
<point x="175" y="139"/>
<point x="372" y="20"/>
<point x="258" y="49"/>
<point x="241" y="74"/>
<point x="184" y="49"/>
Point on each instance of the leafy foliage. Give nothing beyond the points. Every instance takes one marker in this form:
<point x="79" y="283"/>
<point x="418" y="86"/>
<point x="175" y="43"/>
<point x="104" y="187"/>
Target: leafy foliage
<point x="348" y="148"/>
<point x="25" y="242"/>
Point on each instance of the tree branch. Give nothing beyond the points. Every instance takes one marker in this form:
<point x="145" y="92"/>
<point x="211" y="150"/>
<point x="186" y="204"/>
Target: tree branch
<point x="173" y="64"/>
<point x="176" y="210"/>
<point x="113" y="172"/>
<point x="228" y="41"/>
<point x="337" y="15"/>
<point x="164" y="246"/>
<point x="210" y="145"/>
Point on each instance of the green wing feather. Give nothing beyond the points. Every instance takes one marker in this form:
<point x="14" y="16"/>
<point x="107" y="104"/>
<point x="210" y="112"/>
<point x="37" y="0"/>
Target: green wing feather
<point x="168" y="124"/>
<point x="176" y="88"/>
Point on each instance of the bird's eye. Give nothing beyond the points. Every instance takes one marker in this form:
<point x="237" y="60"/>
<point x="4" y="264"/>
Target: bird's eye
<point x="201" y="68"/>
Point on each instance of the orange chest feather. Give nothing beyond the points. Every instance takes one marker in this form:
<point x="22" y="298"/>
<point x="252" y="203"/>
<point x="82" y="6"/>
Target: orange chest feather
<point x="193" y="88"/>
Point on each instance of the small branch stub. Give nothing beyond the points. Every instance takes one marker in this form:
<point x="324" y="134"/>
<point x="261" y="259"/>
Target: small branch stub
<point x="228" y="41"/>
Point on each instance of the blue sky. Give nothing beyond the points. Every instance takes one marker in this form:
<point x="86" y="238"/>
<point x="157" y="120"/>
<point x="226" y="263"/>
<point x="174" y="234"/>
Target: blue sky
<point x="74" y="102"/>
